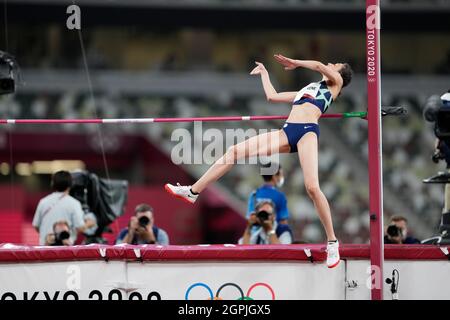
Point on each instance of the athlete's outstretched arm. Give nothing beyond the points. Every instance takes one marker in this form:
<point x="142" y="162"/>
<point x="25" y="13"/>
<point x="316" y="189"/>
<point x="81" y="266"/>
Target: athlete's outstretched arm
<point x="291" y="64"/>
<point x="271" y="94"/>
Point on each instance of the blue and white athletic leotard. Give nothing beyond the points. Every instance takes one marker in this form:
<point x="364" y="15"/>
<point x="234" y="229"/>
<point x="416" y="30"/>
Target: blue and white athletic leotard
<point x="316" y="93"/>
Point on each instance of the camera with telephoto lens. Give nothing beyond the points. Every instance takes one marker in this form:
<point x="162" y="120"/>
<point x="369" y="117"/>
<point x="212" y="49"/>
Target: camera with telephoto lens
<point x="394" y="231"/>
<point x="437" y="111"/>
<point x="143" y="221"/>
<point x="103" y="200"/>
<point x="263" y="215"/>
<point x="60" y="237"/>
<point x="8" y="69"/>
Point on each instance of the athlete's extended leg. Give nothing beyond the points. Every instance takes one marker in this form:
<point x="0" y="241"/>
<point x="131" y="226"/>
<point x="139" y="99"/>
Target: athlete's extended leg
<point x="309" y="160"/>
<point x="261" y="145"/>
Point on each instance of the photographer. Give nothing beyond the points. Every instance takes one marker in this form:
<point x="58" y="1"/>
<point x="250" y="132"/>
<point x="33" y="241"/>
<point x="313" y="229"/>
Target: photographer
<point x="141" y="229"/>
<point x="270" y="191"/>
<point x="262" y="227"/>
<point x="397" y="232"/>
<point x="59" y="206"/>
<point x="60" y="235"/>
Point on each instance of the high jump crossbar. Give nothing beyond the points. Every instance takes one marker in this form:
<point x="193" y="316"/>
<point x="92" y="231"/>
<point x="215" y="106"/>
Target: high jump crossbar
<point x="359" y="114"/>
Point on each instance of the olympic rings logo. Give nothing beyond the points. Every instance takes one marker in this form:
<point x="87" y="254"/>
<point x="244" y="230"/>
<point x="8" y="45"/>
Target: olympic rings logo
<point x="242" y="296"/>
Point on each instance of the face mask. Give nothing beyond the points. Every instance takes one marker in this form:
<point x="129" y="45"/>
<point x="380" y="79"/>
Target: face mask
<point x="280" y="182"/>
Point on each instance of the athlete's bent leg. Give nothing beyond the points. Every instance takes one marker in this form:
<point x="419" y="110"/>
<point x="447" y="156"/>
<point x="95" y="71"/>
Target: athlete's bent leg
<point x="261" y="145"/>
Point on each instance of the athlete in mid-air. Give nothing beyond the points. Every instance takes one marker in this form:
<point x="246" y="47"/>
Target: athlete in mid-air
<point x="299" y="134"/>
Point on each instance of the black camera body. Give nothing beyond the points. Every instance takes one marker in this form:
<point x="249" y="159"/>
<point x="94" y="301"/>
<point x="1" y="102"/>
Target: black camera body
<point x="105" y="198"/>
<point x="60" y="237"/>
<point x="442" y="126"/>
<point x="437" y="111"/>
<point x="7" y="85"/>
<point x="143" y="221"/>
<point x="263" y="215"/>
<point x="394" y="231"/>
<point x="8" y="67"/>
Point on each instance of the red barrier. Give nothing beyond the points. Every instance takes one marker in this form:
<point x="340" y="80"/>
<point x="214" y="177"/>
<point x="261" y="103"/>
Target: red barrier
<point x="11" y="253"/>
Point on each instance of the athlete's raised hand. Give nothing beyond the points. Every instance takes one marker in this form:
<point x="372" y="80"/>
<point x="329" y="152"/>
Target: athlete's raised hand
<point x="259" y="69"/>
<point x="288" y="63"/>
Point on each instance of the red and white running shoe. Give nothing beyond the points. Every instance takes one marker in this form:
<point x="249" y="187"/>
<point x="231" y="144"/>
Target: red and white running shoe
<point x="333" y="256"/>
<point x="181" y="192"/>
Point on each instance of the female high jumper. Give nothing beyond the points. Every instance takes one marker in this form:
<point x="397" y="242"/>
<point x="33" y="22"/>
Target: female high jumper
<point x="299" y="134"/>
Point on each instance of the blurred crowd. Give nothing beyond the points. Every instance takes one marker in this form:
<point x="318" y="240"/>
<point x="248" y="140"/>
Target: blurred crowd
<point x="134" y="48"/>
